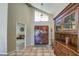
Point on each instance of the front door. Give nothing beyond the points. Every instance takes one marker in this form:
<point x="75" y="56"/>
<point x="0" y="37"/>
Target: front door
<point x="41" y="35"/>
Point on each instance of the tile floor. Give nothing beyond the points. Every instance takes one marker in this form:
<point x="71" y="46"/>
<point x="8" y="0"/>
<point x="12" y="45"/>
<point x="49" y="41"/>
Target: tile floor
<point x="34" y="51"/>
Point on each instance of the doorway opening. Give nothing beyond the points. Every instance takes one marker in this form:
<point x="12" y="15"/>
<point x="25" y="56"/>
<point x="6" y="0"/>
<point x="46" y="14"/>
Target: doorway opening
<point x="20" y="36"/>
<point x="41" y="35"/>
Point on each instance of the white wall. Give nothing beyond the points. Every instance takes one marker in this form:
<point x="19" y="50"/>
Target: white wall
<point x="3" y="28"/>
<point x="50" y="24"/>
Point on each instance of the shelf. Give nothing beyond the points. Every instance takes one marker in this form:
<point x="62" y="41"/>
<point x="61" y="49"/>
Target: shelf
<point x="66" y="32"/>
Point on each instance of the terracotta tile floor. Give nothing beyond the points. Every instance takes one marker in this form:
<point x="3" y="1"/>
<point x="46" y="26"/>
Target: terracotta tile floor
<point x="34" y="51"/>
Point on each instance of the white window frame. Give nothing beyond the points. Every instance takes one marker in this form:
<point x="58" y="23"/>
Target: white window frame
<point x="39" y="18"/>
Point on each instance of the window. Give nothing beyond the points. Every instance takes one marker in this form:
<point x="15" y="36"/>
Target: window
<point x="39" y="16"/>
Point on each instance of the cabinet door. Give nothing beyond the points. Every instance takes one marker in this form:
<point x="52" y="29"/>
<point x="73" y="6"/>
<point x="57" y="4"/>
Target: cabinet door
<point x="58" y="49"/>
<point x="64" y="51"/>
<point x="55" y="48"/>
<point x="71" y="53"/>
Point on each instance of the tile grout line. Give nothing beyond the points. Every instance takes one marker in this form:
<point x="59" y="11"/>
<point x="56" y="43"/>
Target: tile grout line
<point x="32" y="53"/>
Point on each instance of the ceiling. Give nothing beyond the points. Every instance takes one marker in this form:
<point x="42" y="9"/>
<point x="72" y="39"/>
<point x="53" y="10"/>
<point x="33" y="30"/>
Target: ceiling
<point x="51" y="8"/>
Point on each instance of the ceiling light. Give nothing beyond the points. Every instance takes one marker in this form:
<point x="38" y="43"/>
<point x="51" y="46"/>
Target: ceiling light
<point x="41" y="4"/>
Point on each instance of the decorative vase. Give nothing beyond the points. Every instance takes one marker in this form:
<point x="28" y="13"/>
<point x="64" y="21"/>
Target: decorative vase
<point x="67" y="40"/>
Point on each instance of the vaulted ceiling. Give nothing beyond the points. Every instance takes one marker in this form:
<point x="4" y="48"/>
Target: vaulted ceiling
<point x="51" y="8"/>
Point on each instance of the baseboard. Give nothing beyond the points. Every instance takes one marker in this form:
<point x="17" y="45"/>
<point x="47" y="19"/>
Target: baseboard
<point x="11" y="52"/>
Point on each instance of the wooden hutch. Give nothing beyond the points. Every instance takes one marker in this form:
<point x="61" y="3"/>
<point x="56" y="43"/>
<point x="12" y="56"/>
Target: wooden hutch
<point x="66" y="41"/>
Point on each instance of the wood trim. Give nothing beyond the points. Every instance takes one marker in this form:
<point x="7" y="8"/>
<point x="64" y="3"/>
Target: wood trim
<point x="66" y="9"/>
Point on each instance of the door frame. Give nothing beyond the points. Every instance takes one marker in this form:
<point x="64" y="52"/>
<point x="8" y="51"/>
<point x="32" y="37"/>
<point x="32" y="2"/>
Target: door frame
<point x="25" y="28"/>
<point x="25" y="35"/>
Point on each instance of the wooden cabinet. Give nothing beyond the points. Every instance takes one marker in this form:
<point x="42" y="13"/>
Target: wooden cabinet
<point x="67" y="18"/>
<point x="67" y="31"/>
<point x="59" y="50"/>
<point x="71" y="53"/>
<point x="63" y="50"/>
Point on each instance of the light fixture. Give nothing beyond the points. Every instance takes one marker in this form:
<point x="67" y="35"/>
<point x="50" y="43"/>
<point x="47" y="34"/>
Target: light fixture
<point x="41" y="4"/>
<point x="41" y="15"/>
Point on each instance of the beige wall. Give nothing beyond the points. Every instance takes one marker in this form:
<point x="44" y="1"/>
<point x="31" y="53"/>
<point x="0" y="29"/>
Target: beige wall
<point x="22" y="14"/>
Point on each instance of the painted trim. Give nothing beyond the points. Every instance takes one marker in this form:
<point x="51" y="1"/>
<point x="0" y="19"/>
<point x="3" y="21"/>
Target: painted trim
<point x="25" y="36"/>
